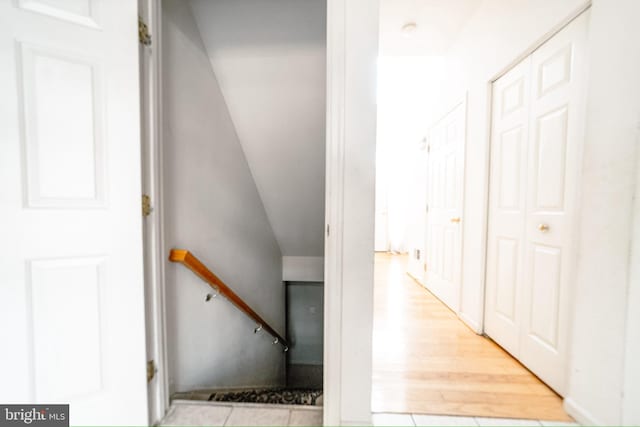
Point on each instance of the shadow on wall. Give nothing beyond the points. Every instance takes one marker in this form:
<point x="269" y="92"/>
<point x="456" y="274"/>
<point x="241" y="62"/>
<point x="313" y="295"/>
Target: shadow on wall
<point x="305" y="322"/>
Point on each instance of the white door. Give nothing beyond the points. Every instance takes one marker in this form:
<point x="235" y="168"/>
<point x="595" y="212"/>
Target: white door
<point x="445" y="176"/>
<point x="537" y="134"/>
<point x="71" y="277"/>
<point x="505" y="257"/>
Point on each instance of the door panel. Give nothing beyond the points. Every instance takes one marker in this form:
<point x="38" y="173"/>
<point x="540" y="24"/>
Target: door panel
<point x="550" y="157"/>
<point x="545" y="292"/>
<point x="508" y="179"/>
<point x="71" y="268"/>
<point x="444" y="199"/>
<point x="70" y="136"/>
<point x="558" y="111"/>
<point x="537" y="132"/>
<point x="507" y="257"/>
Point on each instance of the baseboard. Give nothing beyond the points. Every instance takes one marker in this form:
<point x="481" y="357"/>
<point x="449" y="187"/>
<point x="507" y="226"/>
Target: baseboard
<point x="356" y="423"/>
<point x="475" y="326"/>
<point x="580" y="414"/>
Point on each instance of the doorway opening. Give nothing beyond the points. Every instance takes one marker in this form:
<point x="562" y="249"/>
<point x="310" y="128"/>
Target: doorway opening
<point x="452" y="123"/>
<point x="233" y="124"/>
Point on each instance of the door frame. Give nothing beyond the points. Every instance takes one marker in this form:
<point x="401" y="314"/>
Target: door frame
<point x="346" y="28"/>
<point x="479" y="325"/>
<point x="152" y="185"/>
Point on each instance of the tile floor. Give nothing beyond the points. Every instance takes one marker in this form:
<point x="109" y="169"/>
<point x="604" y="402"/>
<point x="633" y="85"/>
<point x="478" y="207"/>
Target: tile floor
<point x="445" y="420"/>
<point x="190" y="413"/>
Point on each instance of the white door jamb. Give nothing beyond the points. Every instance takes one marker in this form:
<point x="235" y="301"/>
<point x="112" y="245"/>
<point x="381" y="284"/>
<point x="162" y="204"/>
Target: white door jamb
<point x="152" y="179"/>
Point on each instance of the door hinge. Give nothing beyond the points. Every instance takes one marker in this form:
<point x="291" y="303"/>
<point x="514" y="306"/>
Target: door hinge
<point x="143" y="33"/>
<point x="426" y="208"/>
<point x="328" y="230"/>
<point x="428" y="148"/>
<point x="151" y="370"/>
<point x="146" y="205"/>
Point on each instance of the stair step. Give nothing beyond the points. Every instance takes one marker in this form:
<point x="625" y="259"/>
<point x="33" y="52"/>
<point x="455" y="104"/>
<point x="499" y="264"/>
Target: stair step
<point x="274" y="395"/>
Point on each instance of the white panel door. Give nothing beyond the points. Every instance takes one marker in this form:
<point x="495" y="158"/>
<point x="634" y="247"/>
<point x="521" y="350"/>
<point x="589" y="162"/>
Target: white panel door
<point x="556" y="134"/>
<point x="445" y="174"/>
<point x="71" y="285"/>
<point x="507" y="206"/>
<point x="533" y="197"/>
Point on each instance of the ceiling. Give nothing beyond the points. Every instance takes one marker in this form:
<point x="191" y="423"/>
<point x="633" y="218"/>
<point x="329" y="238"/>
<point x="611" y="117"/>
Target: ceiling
<point x="438" y="24"/>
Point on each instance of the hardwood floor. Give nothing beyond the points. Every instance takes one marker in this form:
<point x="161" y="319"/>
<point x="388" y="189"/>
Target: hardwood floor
<point x="425" y="360"/>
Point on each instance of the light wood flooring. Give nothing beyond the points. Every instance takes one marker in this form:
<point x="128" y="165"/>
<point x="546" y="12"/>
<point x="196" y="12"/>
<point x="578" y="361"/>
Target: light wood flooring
<point x="425" y="360"/>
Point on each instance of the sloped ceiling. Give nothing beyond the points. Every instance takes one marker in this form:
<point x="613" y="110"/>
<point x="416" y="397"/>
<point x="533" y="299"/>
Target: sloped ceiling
<point x="269" y="59"/>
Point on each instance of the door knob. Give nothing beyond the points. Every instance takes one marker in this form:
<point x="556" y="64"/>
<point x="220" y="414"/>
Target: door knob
<point x="543" y="227"/>
<point x="455" y="219"/>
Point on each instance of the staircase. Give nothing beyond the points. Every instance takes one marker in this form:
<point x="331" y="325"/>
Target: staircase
<point x="262" y="395"/>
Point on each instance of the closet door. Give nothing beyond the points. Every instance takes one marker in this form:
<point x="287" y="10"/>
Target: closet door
<point x="537" y="134"/>
<point x="507" y="207"/>
<point x="556" y="133"/>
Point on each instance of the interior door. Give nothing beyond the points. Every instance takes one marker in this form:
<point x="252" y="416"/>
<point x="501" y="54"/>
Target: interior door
<point x="538" y="129"/>
<point x="556" y="133"/>
<point x="507" y="206"/>
<point x="71" y="291"/>
<point x="445" y="174"/>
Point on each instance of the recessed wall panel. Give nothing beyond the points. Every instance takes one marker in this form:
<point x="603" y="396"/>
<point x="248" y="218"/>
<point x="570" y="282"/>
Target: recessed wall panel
<point x="66" y="310"/>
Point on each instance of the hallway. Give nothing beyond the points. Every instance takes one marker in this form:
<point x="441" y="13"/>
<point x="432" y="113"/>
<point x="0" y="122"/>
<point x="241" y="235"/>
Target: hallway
<point x="425" y="360"/>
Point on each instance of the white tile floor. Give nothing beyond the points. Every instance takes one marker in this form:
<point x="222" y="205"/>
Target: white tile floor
<point x="191" y="413"/>
<point x="444" y="420"/>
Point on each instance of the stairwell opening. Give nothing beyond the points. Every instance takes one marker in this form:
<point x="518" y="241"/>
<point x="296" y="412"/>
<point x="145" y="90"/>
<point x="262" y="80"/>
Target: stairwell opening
<point x="243" y="171"/>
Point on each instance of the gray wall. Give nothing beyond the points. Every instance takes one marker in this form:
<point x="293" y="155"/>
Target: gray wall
<point x="305" y="322"/>
<point x="270" y="59"/>
<point x="213" y="209"/>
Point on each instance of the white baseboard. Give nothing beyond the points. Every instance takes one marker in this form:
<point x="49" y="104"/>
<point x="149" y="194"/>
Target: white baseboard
<point x="356" y="423"/>
<point x="580" y="414"/>
<point x="475" y="326"/>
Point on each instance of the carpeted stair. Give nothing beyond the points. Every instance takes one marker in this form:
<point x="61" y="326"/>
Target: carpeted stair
<point x="281" y="396"/>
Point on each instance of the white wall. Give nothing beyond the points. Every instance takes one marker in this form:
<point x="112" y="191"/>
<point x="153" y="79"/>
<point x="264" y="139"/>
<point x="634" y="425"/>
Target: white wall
<point x="213" y="209"/>
<point x="351" y="138"/>
<point x="303" y="268"/>
<point x="608" y="184"/>
<point x="499" y="32"/>
<point x="269" y="57"/>
<point x="631" y="409"/>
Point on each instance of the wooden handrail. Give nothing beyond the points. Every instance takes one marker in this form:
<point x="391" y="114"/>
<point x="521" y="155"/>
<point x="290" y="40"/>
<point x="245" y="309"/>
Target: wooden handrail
<point x="187" y="259"/>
